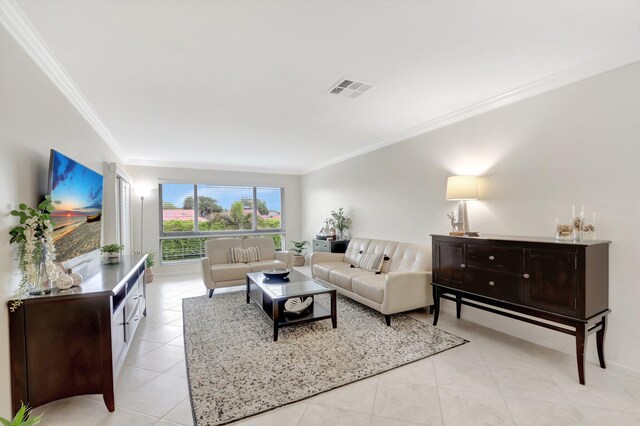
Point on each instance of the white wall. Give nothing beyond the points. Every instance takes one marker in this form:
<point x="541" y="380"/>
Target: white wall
<point x="34" y="117"/>
<point x="576" y="145"/>
<point x="149" y="177"/>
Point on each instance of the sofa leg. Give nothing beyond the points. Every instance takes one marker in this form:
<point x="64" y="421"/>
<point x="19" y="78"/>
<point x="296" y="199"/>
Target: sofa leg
<point x="210" y="293"/>
<point x="387" y="319"/>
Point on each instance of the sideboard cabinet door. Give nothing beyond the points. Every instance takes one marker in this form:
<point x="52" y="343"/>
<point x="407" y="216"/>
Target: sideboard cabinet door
<point x="552" y="283"/>
<point x="450" y="259"/>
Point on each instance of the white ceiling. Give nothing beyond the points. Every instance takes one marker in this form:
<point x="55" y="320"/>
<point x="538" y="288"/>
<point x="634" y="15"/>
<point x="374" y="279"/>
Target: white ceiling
<point x="242" y="85"/>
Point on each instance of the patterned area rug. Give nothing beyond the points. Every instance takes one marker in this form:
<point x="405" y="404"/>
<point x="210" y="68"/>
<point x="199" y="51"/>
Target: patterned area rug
<point x="236" y="370"/>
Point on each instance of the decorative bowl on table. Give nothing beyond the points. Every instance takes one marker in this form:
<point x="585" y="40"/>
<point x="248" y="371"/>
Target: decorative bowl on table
<point x="276" y="273"/>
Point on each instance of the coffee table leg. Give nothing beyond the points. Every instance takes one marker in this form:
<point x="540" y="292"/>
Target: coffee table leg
<point x="334" y="316"/>
<point x="276" y="319"/>
<point x="248" y="281"/>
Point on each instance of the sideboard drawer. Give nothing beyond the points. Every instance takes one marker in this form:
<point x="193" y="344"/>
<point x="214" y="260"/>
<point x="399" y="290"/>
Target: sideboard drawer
<point x="321" y="245"/>
<point x="505" y="259"/>
<point x="494" y="284"/>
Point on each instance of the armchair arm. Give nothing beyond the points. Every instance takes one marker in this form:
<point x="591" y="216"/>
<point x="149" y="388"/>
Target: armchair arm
<point x="206" y="273"/>
<point x="404" y="291"/>
<point x="286" y="257"/>
<point x="322" y="256"/>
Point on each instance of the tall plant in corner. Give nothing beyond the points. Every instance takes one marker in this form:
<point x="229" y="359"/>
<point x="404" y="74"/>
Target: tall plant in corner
<point x="36" y="252"/>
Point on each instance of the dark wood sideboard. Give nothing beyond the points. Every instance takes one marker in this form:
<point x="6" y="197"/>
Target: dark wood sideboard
<point x="74" y="342"/>
<point x="528" y="278"/>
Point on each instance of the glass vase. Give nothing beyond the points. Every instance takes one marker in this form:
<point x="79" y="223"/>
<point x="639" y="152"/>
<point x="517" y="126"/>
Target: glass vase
<point x="41" y="283"/>
<point x="563" y="231"/>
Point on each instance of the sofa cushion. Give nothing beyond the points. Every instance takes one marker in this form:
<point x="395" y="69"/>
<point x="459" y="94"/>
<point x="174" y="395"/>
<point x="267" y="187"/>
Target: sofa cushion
<point x="229" y="271"/>
<point x="266" y="244"/>
<point x="369" y="286"/>
<point x="409" y="257"/>
<point x="341" y="277"/>
<point x="355" y="249"/>
<point x="371" y="262"/>
<point x="217" y="249"/>
<point x="266" y="264"/>
<point x="322" y="270"/>
<point x="246" y="255"/>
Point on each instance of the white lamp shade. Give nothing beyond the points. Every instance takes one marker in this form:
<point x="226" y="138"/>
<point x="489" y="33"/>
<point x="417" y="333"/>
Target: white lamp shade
<point x="462" y="188"/>
<point x="142" y="191"/>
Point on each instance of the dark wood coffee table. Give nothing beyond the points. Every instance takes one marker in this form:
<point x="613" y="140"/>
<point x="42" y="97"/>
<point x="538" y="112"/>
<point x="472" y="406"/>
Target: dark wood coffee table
<point x="271" y="294"/>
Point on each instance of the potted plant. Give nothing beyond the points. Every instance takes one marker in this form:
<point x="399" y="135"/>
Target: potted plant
<point x="297" y="250"/>
<point x="22" y="418"/>
<point x="112" y="252"/>
<point x="151" y="260"/>
<point x="340" y="222"/>
<point x="36" y="251"/>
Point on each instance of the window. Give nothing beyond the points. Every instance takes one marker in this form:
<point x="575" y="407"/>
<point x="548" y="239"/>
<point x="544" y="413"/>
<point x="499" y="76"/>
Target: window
<point x="193" y="212"/>
<point x="124" y="213"/>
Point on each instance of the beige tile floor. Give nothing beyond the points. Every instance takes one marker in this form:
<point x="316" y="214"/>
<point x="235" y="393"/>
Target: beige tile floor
<point x="495" y="379"/>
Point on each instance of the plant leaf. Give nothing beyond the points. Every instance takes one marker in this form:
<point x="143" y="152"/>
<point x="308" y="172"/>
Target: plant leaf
<point x="20" y="415"/>
<point x="5" y="422"/>
<point x="15" y="213"/>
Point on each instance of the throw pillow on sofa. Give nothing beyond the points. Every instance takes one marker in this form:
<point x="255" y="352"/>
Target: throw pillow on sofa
<point x="240" y="255"/>
<point x="371" y="262"/>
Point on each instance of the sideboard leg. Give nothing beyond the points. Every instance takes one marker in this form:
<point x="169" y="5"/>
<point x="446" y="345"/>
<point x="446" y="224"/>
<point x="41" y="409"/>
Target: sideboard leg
<point x="436" y="305"/>
<point x="109" y="400"/>
<point x="458" y="306"/>
<point x="580" y="341"/>
<point x="600" y="342"/>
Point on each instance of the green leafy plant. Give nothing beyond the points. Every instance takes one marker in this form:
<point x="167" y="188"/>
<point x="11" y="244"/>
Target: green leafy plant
<point x="298" y="247"/>
<point x="111" y="248"/>
<point x="36" y="251"/>
<point x="151" y="259"/>
<point x="22" y="418"/>
<point x="339" y="220"/>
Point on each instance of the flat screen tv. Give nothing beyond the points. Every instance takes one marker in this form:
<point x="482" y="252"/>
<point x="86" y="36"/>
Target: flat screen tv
<point x="78" y="216"/>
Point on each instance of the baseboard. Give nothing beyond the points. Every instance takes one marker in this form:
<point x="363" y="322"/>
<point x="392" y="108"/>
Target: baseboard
<point x="590" y="356"/>
<point x="623" y="369"/>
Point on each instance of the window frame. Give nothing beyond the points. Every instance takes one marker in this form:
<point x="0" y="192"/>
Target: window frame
<point x="196" y="233"/>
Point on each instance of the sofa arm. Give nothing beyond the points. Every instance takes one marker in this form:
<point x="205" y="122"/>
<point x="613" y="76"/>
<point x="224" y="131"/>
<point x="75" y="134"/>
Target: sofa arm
<point x="322" y="256"/>
<point x="286" y="257"/>
<point x="206" y="273"/>
<point x="404" y="291"/>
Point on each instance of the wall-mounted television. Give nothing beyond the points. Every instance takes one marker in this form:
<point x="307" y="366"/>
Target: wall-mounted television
<point x="78" y="216"/>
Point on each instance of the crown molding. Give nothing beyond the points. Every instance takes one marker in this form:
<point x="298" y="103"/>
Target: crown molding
<point x="213" y="167"/>
<point x="554" y="81"/>
<point x="13" y="19"/>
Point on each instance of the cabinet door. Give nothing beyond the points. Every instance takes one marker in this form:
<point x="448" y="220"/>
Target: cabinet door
<point x="449" y="263"/>
<point x="552" y="282"/>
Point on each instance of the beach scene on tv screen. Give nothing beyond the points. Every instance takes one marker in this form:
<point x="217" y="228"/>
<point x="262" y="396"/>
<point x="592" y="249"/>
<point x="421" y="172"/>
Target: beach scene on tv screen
<point x="77" y="218"/>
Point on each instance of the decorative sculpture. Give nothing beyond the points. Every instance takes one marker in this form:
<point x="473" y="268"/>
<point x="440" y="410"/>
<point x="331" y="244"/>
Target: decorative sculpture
<point x="457" y="226"/>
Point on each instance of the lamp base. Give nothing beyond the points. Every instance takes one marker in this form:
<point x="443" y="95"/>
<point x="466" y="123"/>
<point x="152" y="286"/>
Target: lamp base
<point x="456" y="234"/>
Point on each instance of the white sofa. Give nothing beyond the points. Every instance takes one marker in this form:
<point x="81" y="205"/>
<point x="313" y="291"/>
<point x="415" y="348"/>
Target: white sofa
<point x="402" y="284"/>
<point x="217" y="271"/>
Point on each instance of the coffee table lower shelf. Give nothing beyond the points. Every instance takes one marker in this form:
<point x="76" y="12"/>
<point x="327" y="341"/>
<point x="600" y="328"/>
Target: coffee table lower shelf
<point x="273" y="307"/>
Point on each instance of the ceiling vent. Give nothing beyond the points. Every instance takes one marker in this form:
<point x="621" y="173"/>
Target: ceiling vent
<point x="349" y="87"/>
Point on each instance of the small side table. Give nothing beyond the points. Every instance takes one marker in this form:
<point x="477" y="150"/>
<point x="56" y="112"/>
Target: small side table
<point x="338" y="246"/>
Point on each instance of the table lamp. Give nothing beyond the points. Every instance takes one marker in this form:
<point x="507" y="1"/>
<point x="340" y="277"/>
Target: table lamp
<point x="461" y="189"/>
